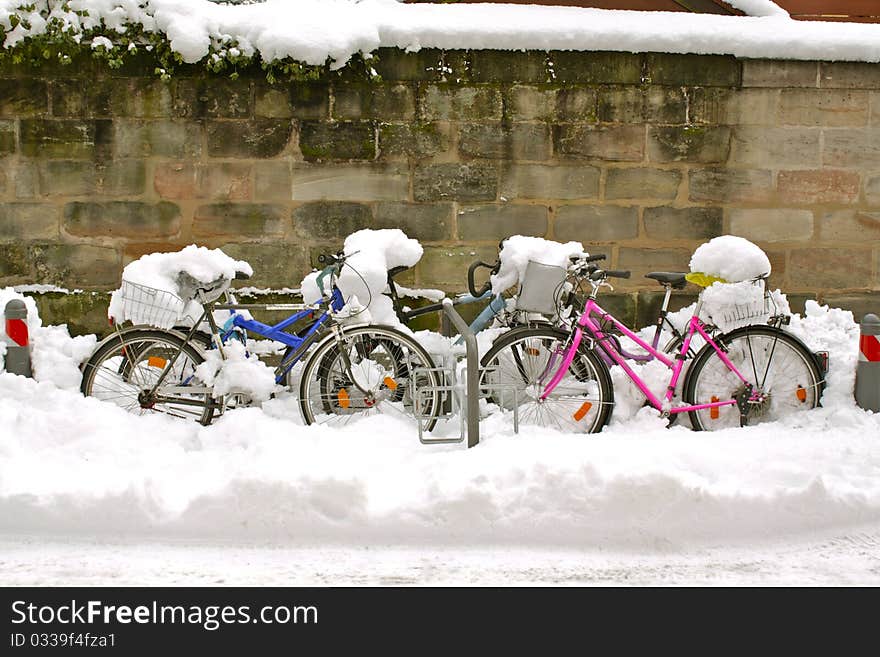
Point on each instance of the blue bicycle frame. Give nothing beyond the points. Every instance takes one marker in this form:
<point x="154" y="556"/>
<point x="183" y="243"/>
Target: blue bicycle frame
<point x="296" y="344"/>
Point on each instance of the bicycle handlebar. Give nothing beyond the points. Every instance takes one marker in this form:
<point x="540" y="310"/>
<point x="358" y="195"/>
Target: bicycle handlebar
<point x="472" y="286"/>
<point x="609" y="273"/>
<point x="590" y="258"/>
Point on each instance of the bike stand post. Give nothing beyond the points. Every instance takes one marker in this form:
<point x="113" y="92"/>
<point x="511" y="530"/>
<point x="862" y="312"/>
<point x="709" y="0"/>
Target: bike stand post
<point x="472" y="394"/>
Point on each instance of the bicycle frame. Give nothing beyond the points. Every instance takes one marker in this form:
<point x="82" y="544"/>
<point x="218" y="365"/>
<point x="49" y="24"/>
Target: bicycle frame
<point x="676" y="364"/>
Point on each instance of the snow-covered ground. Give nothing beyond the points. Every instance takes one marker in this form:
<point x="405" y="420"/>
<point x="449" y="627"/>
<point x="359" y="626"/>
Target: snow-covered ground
<point x="91" y="494"/>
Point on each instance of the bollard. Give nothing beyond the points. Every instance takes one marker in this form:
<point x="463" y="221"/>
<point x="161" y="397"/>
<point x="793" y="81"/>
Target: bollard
<point x="18" y="351"/>
<point x="868" y="371"/>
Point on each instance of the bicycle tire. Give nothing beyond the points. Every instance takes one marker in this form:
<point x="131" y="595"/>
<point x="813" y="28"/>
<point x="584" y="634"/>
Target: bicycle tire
<point x="384" y="361"/>
<point x="520" y="358"/>
<point x="780" y="367"/>
<point x="130" y="362"/>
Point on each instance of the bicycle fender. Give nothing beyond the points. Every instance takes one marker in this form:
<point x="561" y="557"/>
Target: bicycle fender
<point x="144" y="327"/>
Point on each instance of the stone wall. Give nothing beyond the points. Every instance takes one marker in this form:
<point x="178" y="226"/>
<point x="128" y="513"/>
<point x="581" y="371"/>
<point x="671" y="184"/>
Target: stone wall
<point x="641" y="156"/>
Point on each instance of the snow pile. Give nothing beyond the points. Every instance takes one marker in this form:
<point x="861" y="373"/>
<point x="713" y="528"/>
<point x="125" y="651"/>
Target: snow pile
<point x="369" y="255"/>
<point x="55" y="356"/>
<point x="78" y="466"/>
<point x="239" y="372"/>
<point x="518" y="250"/>
<point x="731" y="258"/>
<point x="177" y="275"/>
<point x="318" y="31"/>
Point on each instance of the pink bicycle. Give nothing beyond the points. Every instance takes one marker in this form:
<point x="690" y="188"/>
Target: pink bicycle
<point x="749" y="375"/>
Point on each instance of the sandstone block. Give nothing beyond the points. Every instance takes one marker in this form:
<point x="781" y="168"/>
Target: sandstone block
<point x="698" y="223"/>
<point x="693" y="70"/>
<point x="829" y="269"/>
<point x="76" y="265"/>
<point x="849" y="75"/>
<point x="385" y="102"/>
<point x="596" y="67"/>
<point x="823" y="107"/>
<point x="61" y="139"/>
<point x="858" y="304"/>
<point x="534" y="181"/>
<point x="492" y="222"/>
<point x="301" y="100"/>
<point x="642" y="182"/>
<point x="413" y="139"/>
<point x="175" y="139"/>
<point x="276" y="265"/>
<point x="461" y="103"/>
<point x="126" y="219"/>
<point x="730" y="185"/>
<point x="850" y="226"/>
<point x="7" y="137"/>
<point x="26" y="222"/>
<point x="722" y="106"/>
<point x="212" y="99"/>
<point x="14" y="264"/>
<point x="595" y="223"/>
<point x="508" y="66"/>
<point x="26" y="97"/>
<point x="642" y="104"/>
<point x="531" y="103"/>
<point x="396" y="64"/>
<point x="176" y="180"/>
<point x="576" y="105"/>
<point x="66" y="177"/>
<point x="350" y="140"/>
<point x="614" y="143"/>
<point x="463" y="182"/>
<point x="520" y="141"/>
<point x="779" y="73"/>
<point x="248" y="220"/>
<point x="272" y="180"/>
<point x="446" y="267"/>
<point x="640" y="261"/>
<point x="808" y="187"/>
<point x="851" y="147"/>
<point x="772" y="225"/>
<point x="350" y="182"/>
<point x="324" y="220"/>
<point x="258" y="139"/>
<point x="426" y="222"/>
<point x="775" y="147"/>
<point x="690" y="143"/>
<point x="872" y="190"/>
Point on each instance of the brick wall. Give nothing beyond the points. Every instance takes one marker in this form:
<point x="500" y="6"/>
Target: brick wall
<point x="641" y="156"/>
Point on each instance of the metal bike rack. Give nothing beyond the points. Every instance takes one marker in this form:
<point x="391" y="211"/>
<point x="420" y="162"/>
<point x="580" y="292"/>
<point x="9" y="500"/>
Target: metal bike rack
<point x="452" y="390"/>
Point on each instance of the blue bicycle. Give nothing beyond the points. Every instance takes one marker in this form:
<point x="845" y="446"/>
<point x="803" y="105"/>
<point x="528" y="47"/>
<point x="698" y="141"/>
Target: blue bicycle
<point x="349" y="370"/>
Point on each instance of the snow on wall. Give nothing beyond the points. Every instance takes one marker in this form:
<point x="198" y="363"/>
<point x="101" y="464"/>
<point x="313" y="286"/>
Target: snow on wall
<point x="315" y="31"/>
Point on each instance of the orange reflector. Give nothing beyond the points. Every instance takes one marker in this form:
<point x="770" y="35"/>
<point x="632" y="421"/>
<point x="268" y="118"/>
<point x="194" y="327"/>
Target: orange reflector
<point x="342" y="398"/>
<point x="532" y="351"/>
<point x="801" y="394"/>
<point x="582" y="411"/>
<point x="156" y="361"/>
<point x="713" y="412"/>
<point x="390" y="383"/>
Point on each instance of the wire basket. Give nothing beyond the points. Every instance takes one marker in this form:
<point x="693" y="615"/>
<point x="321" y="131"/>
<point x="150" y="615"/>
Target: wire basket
<point x="757" y="310"/>
<point x="147" y="305"/>
<point x="540" y="288"/>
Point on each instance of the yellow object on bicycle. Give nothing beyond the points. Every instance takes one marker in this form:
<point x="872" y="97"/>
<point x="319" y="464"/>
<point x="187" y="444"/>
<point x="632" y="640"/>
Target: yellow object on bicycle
<point x="703" y="280"/>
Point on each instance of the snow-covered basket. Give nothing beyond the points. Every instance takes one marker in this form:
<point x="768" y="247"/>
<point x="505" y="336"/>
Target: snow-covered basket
<point x="147" y="305"/>
<point x="731" y="306"/>
<point x="540" y="288"/>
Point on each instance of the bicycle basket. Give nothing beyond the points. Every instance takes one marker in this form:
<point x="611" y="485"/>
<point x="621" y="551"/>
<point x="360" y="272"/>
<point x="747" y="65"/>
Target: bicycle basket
<point x="755" y="306"/>
<point x="540" y="288"/>
<point x="147" y="305"/>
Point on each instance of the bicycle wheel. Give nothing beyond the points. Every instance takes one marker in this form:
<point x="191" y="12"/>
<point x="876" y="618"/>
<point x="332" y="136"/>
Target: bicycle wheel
<point x="522" y="361"/>
<point x="369" y="370"/>
<point x="781" y="371"/>
<point x="124" y="369"/>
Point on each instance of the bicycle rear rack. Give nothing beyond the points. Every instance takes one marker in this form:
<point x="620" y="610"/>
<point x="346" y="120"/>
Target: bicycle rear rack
<point x="457" y="396"/>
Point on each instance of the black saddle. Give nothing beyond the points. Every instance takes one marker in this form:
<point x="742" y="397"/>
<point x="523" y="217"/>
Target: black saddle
<point x="676" y="280"/>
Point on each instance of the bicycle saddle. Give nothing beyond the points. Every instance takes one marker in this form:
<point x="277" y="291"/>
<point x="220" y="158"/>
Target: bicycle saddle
<point x="675" y="279"/>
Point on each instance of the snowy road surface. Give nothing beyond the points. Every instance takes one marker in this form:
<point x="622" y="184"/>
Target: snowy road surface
<point x="850" y="559"/>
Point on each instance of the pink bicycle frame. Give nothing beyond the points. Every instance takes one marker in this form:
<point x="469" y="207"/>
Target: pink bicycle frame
<point x="675" y="364"/>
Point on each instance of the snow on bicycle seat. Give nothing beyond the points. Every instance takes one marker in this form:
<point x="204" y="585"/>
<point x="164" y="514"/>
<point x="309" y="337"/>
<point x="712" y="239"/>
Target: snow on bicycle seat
<point x="675" y="279"/>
